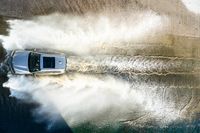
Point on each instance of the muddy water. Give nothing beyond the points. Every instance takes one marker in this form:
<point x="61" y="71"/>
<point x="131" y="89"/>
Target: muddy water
<point x="178" y="49"/>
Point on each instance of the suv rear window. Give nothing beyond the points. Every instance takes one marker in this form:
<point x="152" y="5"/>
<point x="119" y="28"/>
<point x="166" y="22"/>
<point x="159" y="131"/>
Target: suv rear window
<point x="48" y="62"/>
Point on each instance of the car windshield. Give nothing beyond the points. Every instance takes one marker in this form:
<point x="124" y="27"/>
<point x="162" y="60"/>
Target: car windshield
<point x="34" y="62"/>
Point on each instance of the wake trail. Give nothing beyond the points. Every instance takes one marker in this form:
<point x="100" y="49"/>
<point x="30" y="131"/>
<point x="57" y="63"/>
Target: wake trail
<point x="132" y="64"/>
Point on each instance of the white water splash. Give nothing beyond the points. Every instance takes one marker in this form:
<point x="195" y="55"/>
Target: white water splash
<point x="79" y="34"/>
<point x="81" y="98"/>
<point x="84" y="98"/>
<point x="192" y="5"/>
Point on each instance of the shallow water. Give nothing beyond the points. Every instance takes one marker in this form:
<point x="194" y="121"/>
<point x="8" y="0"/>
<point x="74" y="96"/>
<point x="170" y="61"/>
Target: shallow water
<point x="159" y="94"/>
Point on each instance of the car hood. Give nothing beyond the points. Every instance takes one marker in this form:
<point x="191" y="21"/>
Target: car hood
<point x="20" y="62"/>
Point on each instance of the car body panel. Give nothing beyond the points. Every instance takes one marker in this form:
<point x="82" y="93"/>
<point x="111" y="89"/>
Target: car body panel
<point x="19" y="63"/>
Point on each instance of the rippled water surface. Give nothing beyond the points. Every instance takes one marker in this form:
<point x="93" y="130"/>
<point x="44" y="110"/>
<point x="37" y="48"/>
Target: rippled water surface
<point x="132" y="66"/>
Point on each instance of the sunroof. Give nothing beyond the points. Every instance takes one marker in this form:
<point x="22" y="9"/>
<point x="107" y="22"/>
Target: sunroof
<point x="48" y="62"/>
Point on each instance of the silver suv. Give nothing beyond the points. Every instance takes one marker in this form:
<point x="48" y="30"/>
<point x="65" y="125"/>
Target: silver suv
<point x="39" y="63"/>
